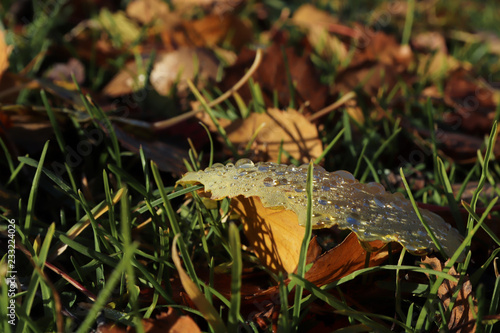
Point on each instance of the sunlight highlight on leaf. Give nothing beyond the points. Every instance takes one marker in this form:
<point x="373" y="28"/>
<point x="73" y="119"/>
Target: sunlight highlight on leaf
<point x="339" y="199"/>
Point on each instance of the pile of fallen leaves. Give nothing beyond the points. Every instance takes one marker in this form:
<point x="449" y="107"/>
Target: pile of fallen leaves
<point x="271" y="84"/>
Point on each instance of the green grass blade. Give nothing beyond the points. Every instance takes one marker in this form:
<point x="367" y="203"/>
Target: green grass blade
<point x="175" y="225"/>
<point x="56" y="179"/>
<point x="301" y="267"/>
<point x="107" y="291"/>
<point x="379" y="151"/>
<point x="236" y="269"/>
<point x="211" y="161"/>
<point x="420" y="217"/>
<point x="336" y="304"/>
<point x="448" y="191"/>
<point x="484" y="170"/>
<point x="329" y="147"/>
<point x="422" y="319"/>
<point x="53" y="122"/>
<point x="129" y="269"/>
<point x="34" y="190"/>
<point x="210" y="113"/>
<point x="39" y="262"/>
<point x="495" y="298"/>
<point x="8" y="157"/>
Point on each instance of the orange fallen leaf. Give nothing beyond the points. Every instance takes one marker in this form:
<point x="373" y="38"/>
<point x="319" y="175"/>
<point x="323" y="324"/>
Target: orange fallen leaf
<point x="274" y="235"/>
<point x="461" y="312"/>
<point x="299" y="136"/>
<point x="4" y="54"/>
<point x="347" y="257"/>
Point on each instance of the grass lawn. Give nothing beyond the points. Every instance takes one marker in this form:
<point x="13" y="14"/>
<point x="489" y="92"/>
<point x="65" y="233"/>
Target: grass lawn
<point x="105" y="105"/>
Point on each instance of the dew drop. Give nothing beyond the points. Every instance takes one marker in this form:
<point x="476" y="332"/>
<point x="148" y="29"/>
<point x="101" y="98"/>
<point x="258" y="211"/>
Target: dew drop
<point x="353" y="221"/>
<point x="319" y="168"/>
<point x="379" y="203"/>
<point x="263" y="168"/>
<point x="217" y="165"/>
<point x="268" y="181"/>
<point x="375" y="188"/>
<point x="324" y="201"/>
<point x="399" y="196"/>
<point x="345" y="175"/>
<point x="421" y="233"/>
<point x="282" y="181"/>
<point x="244" y="163"/>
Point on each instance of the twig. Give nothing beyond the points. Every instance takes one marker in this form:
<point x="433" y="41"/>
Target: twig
<point x="163" y="124"/>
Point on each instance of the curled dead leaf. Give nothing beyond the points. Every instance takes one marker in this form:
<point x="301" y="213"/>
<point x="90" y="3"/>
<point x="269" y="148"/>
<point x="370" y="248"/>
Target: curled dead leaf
<point x="169" y="68"/>
<point x="461" y="313"/>
<point x="299" y="136"/>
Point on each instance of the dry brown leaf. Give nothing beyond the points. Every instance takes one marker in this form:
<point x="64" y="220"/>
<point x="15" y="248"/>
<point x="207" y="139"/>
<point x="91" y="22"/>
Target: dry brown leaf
<point x="168" y="156"/>
<point x="125" y="82"/>
<point x="169" y="68"/>
<point x="272" y="76"/>
<point x="317" y="23"/>
<point x="349" y="256"/>
<point x="4" y="54"/>
<point x="460" y="147"/>
<point x="209" y="31"/>
<point x="216" y="7"/>
<point x="180" y="65"/>
<point x="195" y="294"/>
<point x="147" y="11"/>
<point x="382" y="48"/>
<point x="461" y="312"/>
<point x="378" y="63"/>
<point x="205" y="118"/>
<point x="274" y="235"/>
<point x="65" y="71"/>
<point x="429" y="41"/>
<point x="300" y="137"/>
<point x="437" y="66"/>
